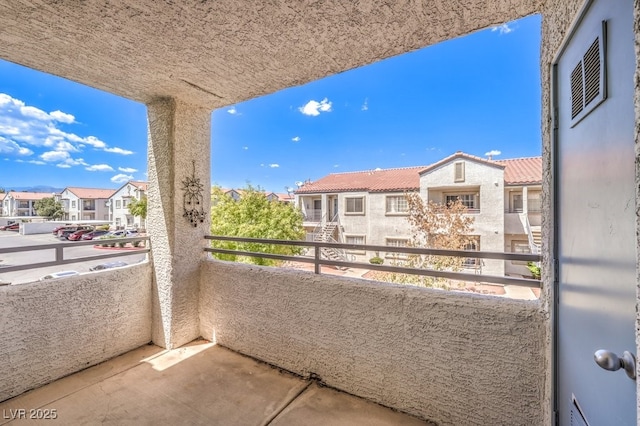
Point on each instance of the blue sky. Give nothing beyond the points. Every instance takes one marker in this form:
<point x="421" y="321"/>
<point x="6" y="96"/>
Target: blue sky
<point x="477" y="94"/>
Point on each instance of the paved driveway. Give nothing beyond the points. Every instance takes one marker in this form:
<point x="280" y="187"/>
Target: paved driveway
<point x="13" y="239"/>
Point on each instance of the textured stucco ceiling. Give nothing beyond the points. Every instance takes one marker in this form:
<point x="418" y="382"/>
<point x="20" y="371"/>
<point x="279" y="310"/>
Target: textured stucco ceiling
<point x="215" y="53"/>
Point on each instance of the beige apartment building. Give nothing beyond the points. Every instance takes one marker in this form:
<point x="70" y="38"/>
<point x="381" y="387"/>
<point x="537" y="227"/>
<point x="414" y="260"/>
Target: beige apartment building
<point x="21" y="203"/>
<point x="85" y="203"/>
<point x="369" y="207"/>
<point x="118" y="205"/>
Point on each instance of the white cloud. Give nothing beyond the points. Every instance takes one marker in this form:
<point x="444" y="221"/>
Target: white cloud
<point x="314" y="108"/>
<point x="63" y="166"/>
<point x="335" y="166"/>
<point x="503" y="29"/>
<point x="365" y="105"/>
<point x="492" y="153"/>
<point x="127" y="169"/>
<point x="53" y="156"/>
<point x="296" y="139"/>
<point x="66" y="146"/>
<point x="28" y="125"/>
<point x="117" y="150"/>
<point x="121" y="178"/>
<point x="62" y="117"/>
<point x="274" y="165"/>
<point x="99" y="168"/>
<point x="245" y="148"/>
<point x="33" y="112"/>
<point x="232" y="110"/>
<point x="37" y="162"/>
<point x="10" y="147"/>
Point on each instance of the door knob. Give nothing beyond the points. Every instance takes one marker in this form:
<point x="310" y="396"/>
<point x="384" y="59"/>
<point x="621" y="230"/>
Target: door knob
<point x="612" y="362"/>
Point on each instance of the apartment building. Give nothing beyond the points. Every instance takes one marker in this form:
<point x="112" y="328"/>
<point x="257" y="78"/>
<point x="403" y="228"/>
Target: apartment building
<point x="3" y="195"/>
<point x="369" y="207"/>
<point x="21" y="203"/>
<point x="85" y="203"/>
<point x="119" y="214"/>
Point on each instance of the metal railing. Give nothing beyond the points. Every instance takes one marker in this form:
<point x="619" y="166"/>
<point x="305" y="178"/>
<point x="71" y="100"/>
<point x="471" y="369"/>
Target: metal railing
<point x="59" y="253"/>
<point x="313" y="215"/>
<point x="318" y="261"/>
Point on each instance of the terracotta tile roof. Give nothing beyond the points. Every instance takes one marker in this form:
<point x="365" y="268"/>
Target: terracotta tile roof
<point x="518" y="171"/>
<point x="379" y="180"/>
<point x="91" y="193"/>
<point x="18" y="195"/>
<point x="284" y="196"/>
<point x="140" y="185"/>
<point x="522" y="171"/>
<point x="461" y="154"/>
<point x="2" y="195"/>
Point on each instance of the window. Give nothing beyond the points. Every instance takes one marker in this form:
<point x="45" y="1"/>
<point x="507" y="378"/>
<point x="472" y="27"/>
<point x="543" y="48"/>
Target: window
<point x="458" y="172"/>
<point x="129" y="220"/>
<point x="118" y="202"/>
<point x="397" y="242"/>
<point x="473" y="245"/>
<point x="355" y="239"/>
<point x="355" y="205"/>
<point x="125" y="203"/>
<point x="106" y="203"/>
<point x="517" y="203"/>
<point x="73" y="217"/>
<point x="397" y="204"/>
<point x="117" y="221"/>
<point x="520" y="246"/>
<point x="73" y="204"/>
<point x="467" y="200"/>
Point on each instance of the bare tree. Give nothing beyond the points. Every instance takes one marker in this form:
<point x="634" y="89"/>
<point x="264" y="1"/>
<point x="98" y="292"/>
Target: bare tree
<point x="434" y="226"/>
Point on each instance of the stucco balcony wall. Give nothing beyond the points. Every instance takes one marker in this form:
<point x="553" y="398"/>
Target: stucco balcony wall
<point x="452" y="358"/>
<point x="54" y="328"/>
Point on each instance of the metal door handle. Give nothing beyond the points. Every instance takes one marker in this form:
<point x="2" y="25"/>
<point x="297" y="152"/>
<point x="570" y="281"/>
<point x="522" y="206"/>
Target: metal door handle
<point x="612" y="362"/>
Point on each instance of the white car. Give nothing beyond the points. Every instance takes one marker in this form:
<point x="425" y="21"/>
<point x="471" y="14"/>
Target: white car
<point x="60" y="274"/>
<point x="122" y="233"/>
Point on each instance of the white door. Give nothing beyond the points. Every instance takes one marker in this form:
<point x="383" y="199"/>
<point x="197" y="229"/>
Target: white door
<point x="595" y="216"/>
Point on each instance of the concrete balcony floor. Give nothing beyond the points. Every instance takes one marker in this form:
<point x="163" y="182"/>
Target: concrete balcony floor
<point x="198" y="384"/>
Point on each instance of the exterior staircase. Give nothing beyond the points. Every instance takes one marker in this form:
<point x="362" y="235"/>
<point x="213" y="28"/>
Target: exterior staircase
<point x="536" y="234"/>
<point x="324" y="234"/>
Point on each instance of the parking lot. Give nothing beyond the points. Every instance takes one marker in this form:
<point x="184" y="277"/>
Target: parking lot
<point x="10" y="239"/>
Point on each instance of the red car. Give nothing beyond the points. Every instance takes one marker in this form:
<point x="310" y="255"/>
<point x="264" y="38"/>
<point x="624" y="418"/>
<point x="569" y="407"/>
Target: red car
<point x="75" y="236"/>
<point x="93" y="234"/>
<point x="12" y="227"/>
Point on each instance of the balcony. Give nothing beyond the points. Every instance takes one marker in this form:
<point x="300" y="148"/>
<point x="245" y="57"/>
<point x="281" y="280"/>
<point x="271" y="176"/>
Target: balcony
<point x="384" y="343"/>
<point x="313" y="215"/>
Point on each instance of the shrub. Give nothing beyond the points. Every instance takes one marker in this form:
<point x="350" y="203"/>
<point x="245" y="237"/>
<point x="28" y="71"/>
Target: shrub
<point x="136" y="243"/>
<point x="534" y="269"/>
<point x="376" y="260"/>
<point x="122" y="244"/>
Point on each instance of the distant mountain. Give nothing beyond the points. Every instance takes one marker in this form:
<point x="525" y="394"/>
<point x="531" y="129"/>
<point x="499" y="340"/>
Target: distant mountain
<point x="37" y="188"/>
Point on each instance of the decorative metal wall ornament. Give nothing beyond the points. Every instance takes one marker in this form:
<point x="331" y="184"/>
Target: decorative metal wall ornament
<point x="192" y="199"/>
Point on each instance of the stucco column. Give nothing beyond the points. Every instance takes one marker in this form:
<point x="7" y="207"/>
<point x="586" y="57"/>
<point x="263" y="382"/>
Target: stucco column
<point x="525" y="197"/>
<point x="324" y="213"/>
<point x="179" y="143"/>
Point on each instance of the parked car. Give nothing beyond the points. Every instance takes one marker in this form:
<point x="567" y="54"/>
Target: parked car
<point x="121" y="233"/>
<point x="12" y="227"/>
<point x="57" y="228"/>
<point x="60" y="274"/>
<point x="94" y="234"/>
<point x="108" y="265"/>
<point x="68" y="230"/>
<point x="76" y="236"/>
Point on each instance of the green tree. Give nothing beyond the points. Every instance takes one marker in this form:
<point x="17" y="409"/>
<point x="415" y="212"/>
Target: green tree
<point x="254" y="216"/>
<point x="138" y="207"/>
<point x="49" y="207"/>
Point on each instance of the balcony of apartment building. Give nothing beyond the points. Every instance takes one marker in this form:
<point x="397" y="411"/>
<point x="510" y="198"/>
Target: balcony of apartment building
<point x="523" y="214"/>
<point x="468" y="196"/>
<point x="186" y="338"/>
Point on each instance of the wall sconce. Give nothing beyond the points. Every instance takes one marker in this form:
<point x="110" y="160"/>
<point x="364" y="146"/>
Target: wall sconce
<point x="192" y="200"/>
